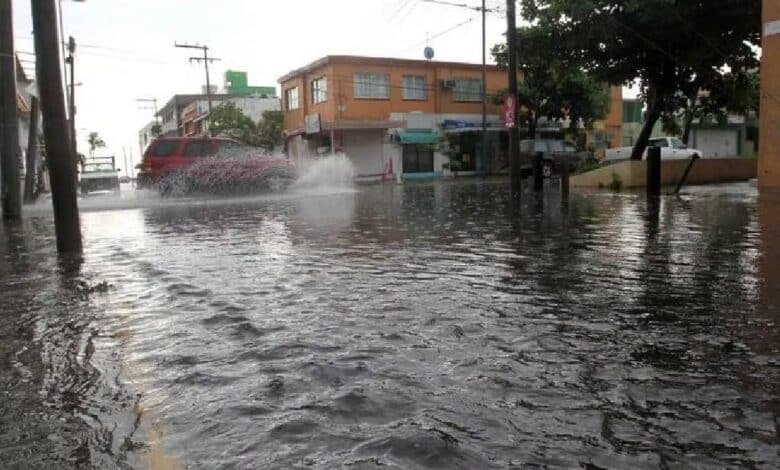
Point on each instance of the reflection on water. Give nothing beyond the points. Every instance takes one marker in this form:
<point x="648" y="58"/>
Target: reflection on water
<point x="423" y="326"/>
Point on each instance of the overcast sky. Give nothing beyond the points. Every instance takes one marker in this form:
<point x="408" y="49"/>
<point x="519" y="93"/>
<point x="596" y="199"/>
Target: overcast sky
<point x="126" y="46"/>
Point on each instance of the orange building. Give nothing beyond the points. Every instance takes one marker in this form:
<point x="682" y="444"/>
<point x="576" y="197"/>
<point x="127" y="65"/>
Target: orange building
<point x="396" y="116"/>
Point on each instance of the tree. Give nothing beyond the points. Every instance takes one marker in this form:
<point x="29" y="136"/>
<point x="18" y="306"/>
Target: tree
<point x="673" y="47"/>
<point x="228" y="120"/>
<point x="552" y="88"/>
<point x="95" y="142"/>
<point x="728" y="93"/>
<point x="269" y="130"/>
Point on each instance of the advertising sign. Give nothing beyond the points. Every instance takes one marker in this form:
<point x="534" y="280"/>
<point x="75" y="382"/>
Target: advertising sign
<point x="510" y="108"/>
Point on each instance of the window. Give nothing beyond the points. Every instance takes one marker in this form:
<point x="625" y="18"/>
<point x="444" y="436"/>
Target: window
<point x="372" y="86"/>
<point x="228" y="148"/>
<point x="417" y="159"/>
<point x="677" y="144"/>
<point x="467" y="89"/>
<point x="414" y="87"/>
<point x="165" y="148"/>
<point x="291" y="97"/>
<point x="555" y="145"/>
<point x="658" y="143"/>
<point x="319" y="90"/>
<point x="198" y="148"/>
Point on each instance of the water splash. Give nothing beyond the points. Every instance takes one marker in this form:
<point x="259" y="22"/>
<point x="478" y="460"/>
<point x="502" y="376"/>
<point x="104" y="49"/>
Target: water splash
<point x="334" y="172"/>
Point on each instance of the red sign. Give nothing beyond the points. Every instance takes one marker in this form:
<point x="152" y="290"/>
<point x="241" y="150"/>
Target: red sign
<point x="510" y="108"/>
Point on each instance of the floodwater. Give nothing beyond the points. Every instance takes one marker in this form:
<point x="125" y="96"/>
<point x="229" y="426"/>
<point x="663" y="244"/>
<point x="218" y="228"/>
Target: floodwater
<point x="430" y="325"/>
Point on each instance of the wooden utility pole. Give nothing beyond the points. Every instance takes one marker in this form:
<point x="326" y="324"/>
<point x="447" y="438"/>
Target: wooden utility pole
<point x="9" y="120"/>
<point x="206" y="61"/>
<point x="514" y="132"/>
<point x="484" y="92"/>
<point x="55" y="127"/>
<point x="71" y="61"/>
<point x="32" y="152"/>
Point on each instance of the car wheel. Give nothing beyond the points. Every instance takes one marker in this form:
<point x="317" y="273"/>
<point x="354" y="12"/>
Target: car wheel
<point x="175" y="185"/>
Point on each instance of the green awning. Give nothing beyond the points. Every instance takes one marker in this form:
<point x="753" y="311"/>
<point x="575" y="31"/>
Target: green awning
<point x="427" y="137"/>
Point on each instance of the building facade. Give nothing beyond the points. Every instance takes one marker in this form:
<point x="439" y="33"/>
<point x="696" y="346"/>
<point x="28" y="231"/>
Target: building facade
<point x="405" y="118"/>
<point x="393" y="116"/>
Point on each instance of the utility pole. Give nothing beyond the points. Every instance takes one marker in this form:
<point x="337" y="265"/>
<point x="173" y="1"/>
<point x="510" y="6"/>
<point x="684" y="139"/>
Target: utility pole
<point x="32" y="152"/>
<point x="124" y="155"/>
<point x="206" y="60"/>
<point x="484" y="11"/>
<point x="514" y="132"/>
<point x="70" y="60"/>
<point x="484" y="90"/>
<point x="55" y="128"/>
<point x="9" y="123"/>
<point x="154" y="106"/>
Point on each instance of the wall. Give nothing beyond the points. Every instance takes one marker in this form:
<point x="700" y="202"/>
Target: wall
<point x="343" y="106"/>
<point x="365" y="149"/>
<point x="769" y="145"/>
<point x="145" y="137"/>
<point x="254" y="107"/>
<point x="632" y="174"/>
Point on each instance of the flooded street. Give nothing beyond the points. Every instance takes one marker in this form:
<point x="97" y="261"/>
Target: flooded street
<point x="430" y="325"/>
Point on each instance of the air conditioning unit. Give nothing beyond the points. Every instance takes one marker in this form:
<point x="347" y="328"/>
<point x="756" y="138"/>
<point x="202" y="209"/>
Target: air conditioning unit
<point x="447" y="84"/>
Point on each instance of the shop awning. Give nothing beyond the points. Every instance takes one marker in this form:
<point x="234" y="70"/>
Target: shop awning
<point x="418" y="137"/>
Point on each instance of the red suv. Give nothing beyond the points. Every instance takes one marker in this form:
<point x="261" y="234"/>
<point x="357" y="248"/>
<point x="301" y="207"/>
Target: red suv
<point x="167" y="154"/>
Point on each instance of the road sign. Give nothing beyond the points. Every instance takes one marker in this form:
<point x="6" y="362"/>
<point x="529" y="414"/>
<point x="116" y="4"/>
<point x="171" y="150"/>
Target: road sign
<point x="510" y="108"/>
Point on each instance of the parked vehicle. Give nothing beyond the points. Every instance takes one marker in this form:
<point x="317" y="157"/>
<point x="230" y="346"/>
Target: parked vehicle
<point x="99" y="174"/>
<point x="555" y="153"/>
<point x="184" y="165"/>
<point x="672" y="148"/>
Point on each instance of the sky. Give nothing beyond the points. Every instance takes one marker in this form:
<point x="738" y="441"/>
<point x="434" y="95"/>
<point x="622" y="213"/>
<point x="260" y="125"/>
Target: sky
<point x="125" y="48"/>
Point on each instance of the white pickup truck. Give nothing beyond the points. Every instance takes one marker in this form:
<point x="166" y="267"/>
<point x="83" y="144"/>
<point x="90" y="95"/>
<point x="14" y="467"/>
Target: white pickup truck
<point x="672" y="148"/>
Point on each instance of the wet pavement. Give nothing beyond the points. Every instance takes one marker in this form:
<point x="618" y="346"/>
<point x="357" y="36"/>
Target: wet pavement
<point x="431" y="325"/>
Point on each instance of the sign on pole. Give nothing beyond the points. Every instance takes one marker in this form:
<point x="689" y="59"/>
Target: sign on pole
<point x="510" y="108"/>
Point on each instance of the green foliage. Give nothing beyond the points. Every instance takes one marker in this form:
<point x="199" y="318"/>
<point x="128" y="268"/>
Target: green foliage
<point x="674" y="47"/>
<point x="269" y="130"/>
<point x="727" y="93"/>
<point x="95" y="142"/>
<point x="553" y="88"/>
<point x="229" y="121"/>
<point x="156" y="130"/>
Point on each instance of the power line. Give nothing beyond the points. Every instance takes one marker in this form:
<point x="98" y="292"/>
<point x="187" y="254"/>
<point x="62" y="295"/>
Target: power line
<point x="439" y="34"/>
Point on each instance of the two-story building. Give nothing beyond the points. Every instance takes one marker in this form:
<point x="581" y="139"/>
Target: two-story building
<point x="392" y="115"/>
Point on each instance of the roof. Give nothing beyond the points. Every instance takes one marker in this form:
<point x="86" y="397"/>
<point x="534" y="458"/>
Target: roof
<point x="386" y="61"/>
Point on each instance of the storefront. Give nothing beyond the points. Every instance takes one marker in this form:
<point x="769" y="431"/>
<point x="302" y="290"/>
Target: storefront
<point x="418" y="153"/>
<point x="466" y="146"/>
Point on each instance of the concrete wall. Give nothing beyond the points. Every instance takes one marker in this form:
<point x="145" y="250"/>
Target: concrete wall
<point x="254" y="106"/>
<point x="769" y="150"/>
<point x="632" y="174"/>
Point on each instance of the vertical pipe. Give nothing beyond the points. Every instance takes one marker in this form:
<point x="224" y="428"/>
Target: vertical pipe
<point x="514" y="134"/>
<point x="9" y="120"/>
<point x="55" y="128"/>
<point x="653" y="171"/>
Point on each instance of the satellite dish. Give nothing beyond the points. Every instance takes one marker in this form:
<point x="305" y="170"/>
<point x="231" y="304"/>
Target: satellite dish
<point x="428" y="52"/>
